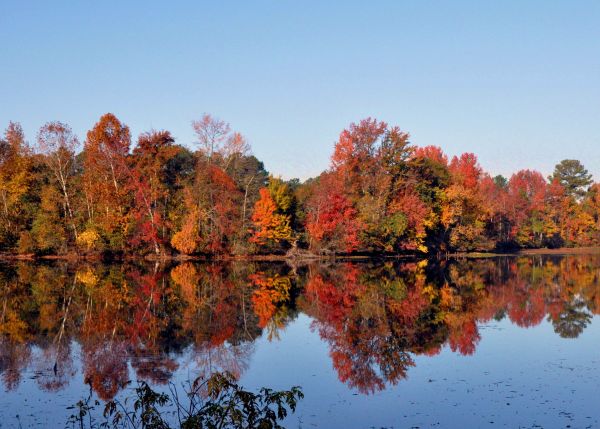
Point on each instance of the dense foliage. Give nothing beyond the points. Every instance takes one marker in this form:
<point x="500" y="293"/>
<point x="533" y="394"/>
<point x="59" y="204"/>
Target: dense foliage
<point x="381" y="194"/>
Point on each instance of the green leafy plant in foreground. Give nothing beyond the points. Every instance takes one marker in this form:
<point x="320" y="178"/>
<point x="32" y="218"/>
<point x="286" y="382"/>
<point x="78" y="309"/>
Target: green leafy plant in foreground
<point x="218" y="402"/>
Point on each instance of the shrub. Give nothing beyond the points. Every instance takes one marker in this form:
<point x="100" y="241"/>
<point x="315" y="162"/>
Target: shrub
<point x="224" y="405"/>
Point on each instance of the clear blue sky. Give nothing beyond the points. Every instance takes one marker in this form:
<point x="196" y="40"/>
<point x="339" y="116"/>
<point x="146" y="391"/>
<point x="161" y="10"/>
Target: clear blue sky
<point x="516" y="82"/>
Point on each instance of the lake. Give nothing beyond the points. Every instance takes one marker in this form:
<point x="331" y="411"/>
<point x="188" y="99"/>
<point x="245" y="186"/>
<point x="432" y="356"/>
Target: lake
<point x="498" y="342"/>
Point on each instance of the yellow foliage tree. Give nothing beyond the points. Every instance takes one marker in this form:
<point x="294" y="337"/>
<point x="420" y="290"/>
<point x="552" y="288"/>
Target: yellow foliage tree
<point x="88" y="239"/>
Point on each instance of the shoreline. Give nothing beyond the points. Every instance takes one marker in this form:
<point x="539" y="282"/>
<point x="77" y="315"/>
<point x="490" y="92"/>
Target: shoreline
<point x="73" y="257"/>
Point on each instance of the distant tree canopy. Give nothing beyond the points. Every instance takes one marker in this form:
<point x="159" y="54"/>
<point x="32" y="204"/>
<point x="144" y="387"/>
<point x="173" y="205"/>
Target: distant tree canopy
<point x="381" y="194"/>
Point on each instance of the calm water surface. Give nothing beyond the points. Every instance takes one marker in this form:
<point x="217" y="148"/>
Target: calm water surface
<point x="503" y="342"/>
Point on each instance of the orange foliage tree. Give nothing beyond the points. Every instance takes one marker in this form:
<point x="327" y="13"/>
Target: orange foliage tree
<point x="105" y="179"/>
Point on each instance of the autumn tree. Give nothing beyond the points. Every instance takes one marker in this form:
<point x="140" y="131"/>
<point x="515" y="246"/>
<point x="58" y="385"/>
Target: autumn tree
<point x="105" y="178"/>
<point x="57" y="143"/>
<point x="48" y="230"/>
<point x="526" y="199"/>
<point x="494" y="196"/>
<point x="15" y="184"/>
<point x="464" y="215"/>
<point x="149" y="184"/>
<point x="211" y="133"/>
<point x="213" y="201"/>
<point x="566" y="220"/>
<point x="372" y="164"/>
<point x="332" y="222"/>
<point x="429" y="172"/>
<point x="591" y="205"/>
<point x="271" y="223"/>
<point x="250" y="176"/>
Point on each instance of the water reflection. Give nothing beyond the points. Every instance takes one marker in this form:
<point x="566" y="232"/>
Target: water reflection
<point x="375" y="318"/>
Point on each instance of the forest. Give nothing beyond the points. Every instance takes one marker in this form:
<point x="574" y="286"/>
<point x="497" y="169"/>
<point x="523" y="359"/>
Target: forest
<point x="381" y="194"/>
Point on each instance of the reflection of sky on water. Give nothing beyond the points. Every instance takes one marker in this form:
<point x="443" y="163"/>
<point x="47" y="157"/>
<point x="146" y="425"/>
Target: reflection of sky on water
<point x="516" y="377"/>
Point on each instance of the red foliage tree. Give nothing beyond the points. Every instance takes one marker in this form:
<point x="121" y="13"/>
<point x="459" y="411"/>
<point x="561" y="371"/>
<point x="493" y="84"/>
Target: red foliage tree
<point x="148" y="183"/>
<point x="332" y="222"/>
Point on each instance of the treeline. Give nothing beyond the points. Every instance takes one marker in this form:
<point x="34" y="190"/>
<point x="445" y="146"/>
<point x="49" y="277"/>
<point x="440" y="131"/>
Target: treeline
<point x="381" y="194"/>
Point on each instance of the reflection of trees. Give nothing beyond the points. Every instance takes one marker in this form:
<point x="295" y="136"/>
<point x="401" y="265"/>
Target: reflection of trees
<point x="369" y="317"/>
<point x="374" y="317"/>
<point x="15" y="331"/>
<point x="105" y="367"/>
<point x="572" y="320"/>
<point x="271" y="298"/>
<point x="123" y="315"/>
<point x="14" y="358"/>
<point x="208" y="359"/>
<point x="152" y="365"/>
<point x="54" y="365"/>
<point x="217" y="316"/>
